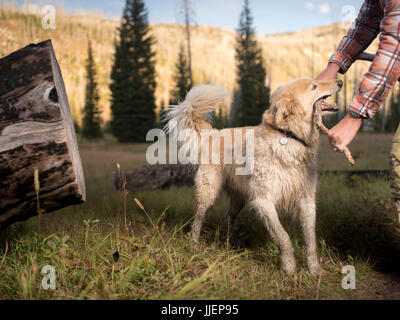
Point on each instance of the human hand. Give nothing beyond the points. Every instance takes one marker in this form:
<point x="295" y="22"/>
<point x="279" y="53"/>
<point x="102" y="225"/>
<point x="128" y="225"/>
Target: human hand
<point x="344" y="132"/>
<point x="329" y="73"/>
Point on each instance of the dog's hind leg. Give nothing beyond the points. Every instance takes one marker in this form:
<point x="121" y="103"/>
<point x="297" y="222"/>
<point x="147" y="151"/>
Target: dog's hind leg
<point x="268" y="214"/>
<point x="307" y="215"/>
<point x="208" y="186"/>
<point x="236" y="204"/>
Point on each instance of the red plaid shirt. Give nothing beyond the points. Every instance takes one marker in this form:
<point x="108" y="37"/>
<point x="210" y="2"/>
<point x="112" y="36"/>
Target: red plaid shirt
<point x="375" y="16"/>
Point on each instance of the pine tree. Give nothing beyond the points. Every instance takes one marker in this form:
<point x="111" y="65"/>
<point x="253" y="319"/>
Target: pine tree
<point x="251" y="74"/>
<point x="181" y="78"/>
<point x="161" y="114"/>
<point x="218" y="119"/>
<point x="133" y="76"/>
<point x="91" y="126"/>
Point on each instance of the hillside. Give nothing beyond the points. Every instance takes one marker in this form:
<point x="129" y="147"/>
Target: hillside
<point x="288" y="56"/>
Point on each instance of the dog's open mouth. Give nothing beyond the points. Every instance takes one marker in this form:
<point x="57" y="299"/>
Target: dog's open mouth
<point x="324" y="105"/>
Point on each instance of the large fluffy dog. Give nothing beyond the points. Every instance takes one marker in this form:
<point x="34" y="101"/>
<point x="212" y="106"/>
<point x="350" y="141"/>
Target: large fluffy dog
<point x="284" y="174"/>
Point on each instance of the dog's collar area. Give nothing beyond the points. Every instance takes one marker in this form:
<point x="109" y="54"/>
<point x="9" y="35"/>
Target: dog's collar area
<point x="290" y="134"/>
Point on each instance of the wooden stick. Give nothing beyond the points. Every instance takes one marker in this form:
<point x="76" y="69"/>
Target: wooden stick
<point x="365" y="56"/>
<point x="325" y="130"/>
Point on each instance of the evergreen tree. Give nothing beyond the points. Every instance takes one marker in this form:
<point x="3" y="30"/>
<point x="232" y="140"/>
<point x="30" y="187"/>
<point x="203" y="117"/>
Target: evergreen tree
<point x="251" y="74"/>
<point x="76" y="126"/>
<point x="161" y="114"/>
<point x="181" y="78"/>
<point x="133" y="76"/>
<point x="236" y="100"/>
<point x="218" y="119"/>
<point x="91" y="126"/>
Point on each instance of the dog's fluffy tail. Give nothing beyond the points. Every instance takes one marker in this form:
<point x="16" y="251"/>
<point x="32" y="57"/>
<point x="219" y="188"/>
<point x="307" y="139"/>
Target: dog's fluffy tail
<point x="192" y="112"/>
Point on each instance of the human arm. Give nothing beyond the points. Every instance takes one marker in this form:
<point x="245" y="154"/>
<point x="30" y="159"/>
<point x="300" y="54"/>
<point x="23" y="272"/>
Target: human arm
<point x="365" y="30"/>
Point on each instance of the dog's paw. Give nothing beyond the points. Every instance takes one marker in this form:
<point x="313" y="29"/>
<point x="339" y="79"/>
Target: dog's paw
<point x="288" y="264"/>
<point x="316" y="270"/>
<point x="194" y="247"/>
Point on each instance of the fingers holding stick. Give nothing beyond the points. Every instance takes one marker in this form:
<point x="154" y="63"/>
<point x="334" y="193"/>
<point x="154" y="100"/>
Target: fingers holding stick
<point x="345" y="150"/>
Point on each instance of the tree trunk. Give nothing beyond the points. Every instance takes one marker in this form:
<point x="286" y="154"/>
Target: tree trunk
<point x="189" y="48"/>
<point x="153" y="177"/>
<point x="36" y="133"/>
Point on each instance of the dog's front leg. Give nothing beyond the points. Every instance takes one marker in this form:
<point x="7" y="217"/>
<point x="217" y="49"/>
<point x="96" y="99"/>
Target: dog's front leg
<point x="307" y="216"/>
<point x="267" y="212"/>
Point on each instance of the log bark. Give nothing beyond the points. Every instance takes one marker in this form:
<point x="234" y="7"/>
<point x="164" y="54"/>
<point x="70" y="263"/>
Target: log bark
<point x="36" y="132"/>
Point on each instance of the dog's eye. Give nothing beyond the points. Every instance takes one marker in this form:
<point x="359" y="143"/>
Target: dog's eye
<point x="314" y="87"/>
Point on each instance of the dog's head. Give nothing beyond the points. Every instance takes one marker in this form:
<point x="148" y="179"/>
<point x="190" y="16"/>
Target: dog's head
<point x="292" y="105"/>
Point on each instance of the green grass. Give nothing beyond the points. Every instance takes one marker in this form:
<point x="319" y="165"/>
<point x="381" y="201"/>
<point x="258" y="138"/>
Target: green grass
<point x="354" y="226"/>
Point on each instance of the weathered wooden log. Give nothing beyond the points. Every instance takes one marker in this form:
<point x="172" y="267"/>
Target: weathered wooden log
<point x="153" y="177"/>
<point x="36" y="133"/>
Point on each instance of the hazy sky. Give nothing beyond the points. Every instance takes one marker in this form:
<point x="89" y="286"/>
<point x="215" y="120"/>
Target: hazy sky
<point x="270" y="16"/>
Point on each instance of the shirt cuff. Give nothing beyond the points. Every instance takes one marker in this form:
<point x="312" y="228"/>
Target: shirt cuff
<point x="362" y="107"/>
<point x="343" y="60"/>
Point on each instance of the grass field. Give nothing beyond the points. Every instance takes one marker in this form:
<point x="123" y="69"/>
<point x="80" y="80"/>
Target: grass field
<point x="96" y="257"/>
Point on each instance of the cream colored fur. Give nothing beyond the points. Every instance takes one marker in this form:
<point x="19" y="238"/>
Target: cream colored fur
<point x="284" y="178"/>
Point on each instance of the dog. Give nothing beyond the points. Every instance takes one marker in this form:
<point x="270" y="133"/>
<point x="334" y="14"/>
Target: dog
<point x="284" y="173"/>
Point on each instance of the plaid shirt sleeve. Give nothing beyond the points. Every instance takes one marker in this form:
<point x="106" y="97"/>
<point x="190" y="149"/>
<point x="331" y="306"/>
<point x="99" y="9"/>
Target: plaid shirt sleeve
<point x="385" y="69"/>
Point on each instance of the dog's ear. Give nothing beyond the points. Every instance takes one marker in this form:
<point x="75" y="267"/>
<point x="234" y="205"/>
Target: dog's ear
<point x="282" y="110"/>
<point x="285" y="107"/>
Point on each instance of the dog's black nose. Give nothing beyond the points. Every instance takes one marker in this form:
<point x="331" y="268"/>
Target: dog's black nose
<point x="340" y="83"/>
